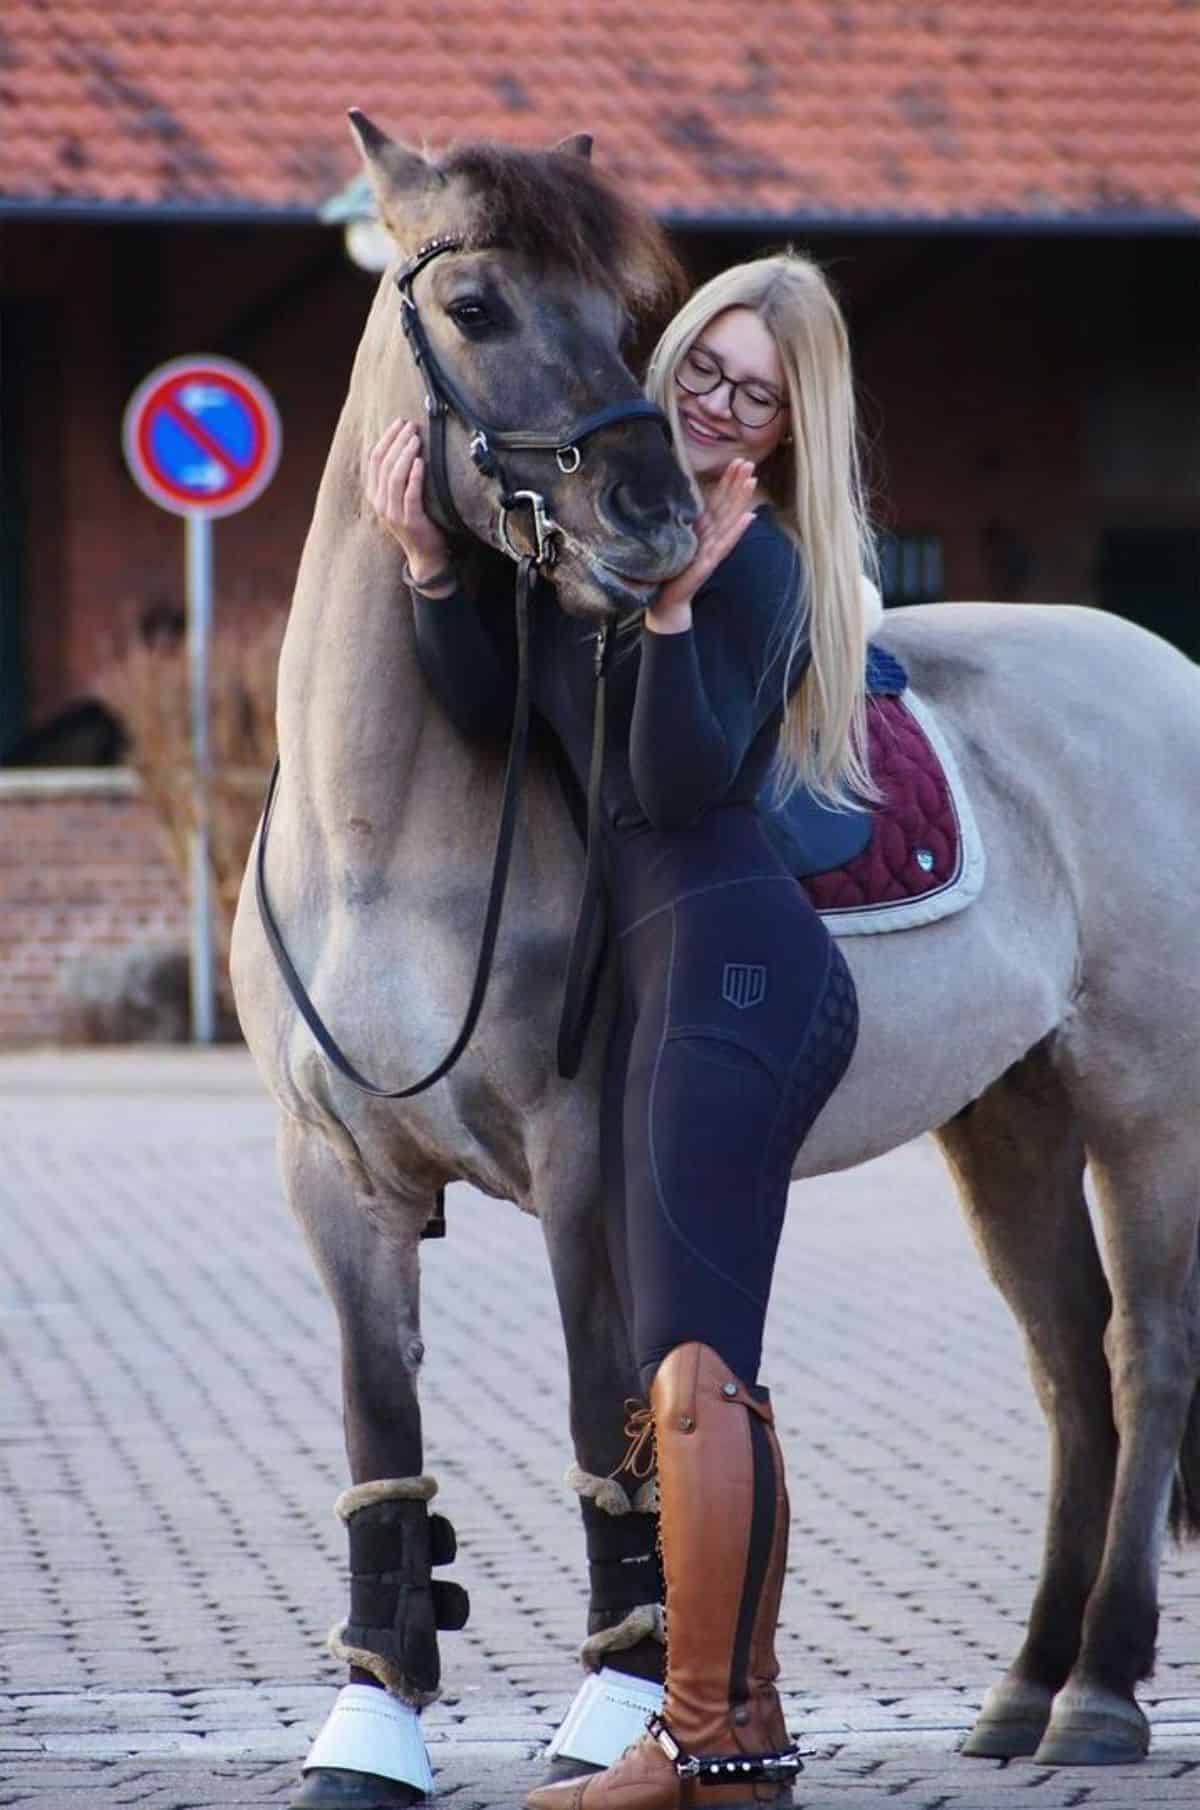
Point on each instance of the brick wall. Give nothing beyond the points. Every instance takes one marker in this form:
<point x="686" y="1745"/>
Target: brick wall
<point x="83" y="870"/>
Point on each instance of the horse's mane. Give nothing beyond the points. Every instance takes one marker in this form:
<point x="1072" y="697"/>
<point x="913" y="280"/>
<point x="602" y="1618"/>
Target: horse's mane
<point x="558" y="209"/>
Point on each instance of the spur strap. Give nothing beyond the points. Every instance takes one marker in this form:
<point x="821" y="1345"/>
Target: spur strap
<point x="517" y="747"/>
<point x="724" y="1768"/>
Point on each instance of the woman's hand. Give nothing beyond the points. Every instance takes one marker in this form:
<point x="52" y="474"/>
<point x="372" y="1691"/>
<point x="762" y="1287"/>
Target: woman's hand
<point x="395" y="484"/>
<point x="726" y="517"/>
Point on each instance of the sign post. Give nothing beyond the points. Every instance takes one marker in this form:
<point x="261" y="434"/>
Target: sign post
<point x="198" y="534"/>
<point x="201" y="439"/>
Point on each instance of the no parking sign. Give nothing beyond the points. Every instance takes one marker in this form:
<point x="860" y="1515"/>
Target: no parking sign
<point x="202" y="434"/>
<point x="201" y="437"/>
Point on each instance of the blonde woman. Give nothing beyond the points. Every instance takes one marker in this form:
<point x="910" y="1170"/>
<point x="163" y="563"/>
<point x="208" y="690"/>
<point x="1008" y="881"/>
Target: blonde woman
<point x="738" y="1014"/>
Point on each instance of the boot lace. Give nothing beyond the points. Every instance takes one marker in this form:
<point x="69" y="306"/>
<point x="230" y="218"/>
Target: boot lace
<point x="639" y="1431"/>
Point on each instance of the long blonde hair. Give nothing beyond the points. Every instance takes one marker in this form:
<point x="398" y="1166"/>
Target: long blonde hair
<point x="815" y="484"/>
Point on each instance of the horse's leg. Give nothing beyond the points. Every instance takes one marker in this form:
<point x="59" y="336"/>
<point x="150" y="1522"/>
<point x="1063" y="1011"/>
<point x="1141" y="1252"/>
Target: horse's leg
<point x="620" y="1512"/>
<point x="370" y="1753"/>
<point x="624" y="1577"/>
<point x="1017" y="1158"/>
<point x="1146" y="1171"/>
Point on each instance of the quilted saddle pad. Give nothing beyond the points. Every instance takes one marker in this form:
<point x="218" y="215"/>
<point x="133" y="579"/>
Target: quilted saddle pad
<point x="924" y="859"/>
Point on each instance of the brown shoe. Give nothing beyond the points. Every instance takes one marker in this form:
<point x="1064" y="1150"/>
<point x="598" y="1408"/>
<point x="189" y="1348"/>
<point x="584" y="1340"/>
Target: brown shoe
<point x="723" y="1527"/>
<point x="644" y="1778"/>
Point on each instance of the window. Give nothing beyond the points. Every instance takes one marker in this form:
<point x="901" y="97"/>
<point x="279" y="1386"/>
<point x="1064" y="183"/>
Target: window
<point x="911" y="568"/>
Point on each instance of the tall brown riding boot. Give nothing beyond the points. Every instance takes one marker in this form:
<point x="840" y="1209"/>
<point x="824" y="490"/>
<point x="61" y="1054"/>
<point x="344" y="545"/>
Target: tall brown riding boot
<point x="721" y="1738"/>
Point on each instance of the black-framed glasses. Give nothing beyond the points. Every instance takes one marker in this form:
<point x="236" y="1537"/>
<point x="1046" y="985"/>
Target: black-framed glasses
<point x="752" y="403"/>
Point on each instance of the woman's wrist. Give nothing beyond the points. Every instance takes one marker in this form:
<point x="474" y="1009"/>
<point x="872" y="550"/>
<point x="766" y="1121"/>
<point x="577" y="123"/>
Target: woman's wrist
<point x="431" y="578"/>
<point x="427" y="568"/>
<point x="669" y="619"/>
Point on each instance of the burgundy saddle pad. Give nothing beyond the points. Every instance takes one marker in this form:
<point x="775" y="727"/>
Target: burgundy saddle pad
<point x="915" y="846"/>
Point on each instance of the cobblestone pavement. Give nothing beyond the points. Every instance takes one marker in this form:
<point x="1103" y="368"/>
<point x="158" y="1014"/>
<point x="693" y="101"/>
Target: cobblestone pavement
<point x="170" y="1450"/>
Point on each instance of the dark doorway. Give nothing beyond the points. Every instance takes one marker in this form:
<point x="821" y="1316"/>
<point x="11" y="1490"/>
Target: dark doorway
<point x="1152" y="576"/>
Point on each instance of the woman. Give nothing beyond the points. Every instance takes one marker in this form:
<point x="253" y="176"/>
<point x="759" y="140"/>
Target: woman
<point x="738" y="1014"/>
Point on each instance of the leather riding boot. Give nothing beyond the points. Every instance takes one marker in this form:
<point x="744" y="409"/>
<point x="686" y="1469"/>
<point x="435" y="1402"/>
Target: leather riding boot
<point x="723" y="1526"/>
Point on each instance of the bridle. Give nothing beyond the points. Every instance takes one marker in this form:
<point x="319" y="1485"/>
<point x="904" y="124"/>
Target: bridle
<point x="443" y="398"/>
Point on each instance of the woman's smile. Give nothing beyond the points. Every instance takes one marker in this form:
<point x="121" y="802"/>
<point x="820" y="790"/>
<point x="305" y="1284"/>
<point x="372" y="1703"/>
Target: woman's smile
<point x="703" y="431"/>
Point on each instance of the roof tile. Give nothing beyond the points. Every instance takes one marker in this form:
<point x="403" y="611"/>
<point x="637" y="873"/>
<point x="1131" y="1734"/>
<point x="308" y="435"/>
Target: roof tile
<point x="767" y="107"/>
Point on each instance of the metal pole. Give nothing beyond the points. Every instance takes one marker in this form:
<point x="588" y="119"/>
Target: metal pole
<point x="199" y="625"/>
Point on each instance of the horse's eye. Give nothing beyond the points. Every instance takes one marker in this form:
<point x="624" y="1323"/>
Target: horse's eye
<point x="469" y="313"/>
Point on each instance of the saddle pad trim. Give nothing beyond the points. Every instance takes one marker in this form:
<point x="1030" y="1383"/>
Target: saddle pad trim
<point x="957" y="891"/>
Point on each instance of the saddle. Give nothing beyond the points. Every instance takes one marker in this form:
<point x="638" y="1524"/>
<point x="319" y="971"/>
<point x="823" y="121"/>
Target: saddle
<point x="915" y="857"/>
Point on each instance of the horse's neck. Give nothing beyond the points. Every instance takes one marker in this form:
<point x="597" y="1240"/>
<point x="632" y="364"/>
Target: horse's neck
<point x="352" y="701"/>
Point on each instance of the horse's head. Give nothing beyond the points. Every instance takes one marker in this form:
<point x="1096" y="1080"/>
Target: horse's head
<point x="539" y="275"/>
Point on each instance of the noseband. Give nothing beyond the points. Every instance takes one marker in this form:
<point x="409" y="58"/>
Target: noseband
<point x="443" y="398"/>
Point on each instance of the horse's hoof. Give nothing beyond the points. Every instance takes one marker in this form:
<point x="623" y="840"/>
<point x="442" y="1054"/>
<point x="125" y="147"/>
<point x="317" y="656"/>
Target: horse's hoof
<point x="1011" y="1722"/>
<point x="333" y="1788"/>
<point x="369" y="1755"/>
<point x="1093" y="1727"/>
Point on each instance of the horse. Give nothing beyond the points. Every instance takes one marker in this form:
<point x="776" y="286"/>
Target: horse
<point x="1052" y="1026"/>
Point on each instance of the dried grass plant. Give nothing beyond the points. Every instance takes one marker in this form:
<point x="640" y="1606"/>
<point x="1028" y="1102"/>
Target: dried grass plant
<point x="146" y="683"/>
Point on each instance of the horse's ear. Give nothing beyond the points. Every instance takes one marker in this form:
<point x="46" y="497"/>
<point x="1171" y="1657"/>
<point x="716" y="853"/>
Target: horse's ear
<point x="578" y="145"/>
<point x="393" y="168"/>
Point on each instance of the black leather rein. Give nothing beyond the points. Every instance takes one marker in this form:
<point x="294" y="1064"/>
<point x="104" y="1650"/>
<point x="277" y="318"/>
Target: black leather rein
<point x="514" y="770"/>
<point x="442" y="399"/>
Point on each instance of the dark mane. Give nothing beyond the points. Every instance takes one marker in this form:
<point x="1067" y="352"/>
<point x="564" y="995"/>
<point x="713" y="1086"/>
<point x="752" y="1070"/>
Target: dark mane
<point x="556" y="208"/>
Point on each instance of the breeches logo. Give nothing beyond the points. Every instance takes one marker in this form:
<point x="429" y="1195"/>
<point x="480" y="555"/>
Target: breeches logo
<point x="744" y="984"/>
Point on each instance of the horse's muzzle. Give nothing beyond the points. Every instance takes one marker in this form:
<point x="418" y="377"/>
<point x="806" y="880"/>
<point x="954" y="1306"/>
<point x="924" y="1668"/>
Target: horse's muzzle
<point x="652" y="531"/>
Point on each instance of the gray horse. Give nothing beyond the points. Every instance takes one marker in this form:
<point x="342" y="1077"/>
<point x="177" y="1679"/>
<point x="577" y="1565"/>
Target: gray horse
<point x="1052" y="1025"/>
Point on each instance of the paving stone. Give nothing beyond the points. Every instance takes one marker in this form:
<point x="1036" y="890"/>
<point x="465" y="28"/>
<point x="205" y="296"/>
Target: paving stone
<point x="250" y="1744"/>
<point x="118" y="1746"/>
<point x="170" y="1449"/>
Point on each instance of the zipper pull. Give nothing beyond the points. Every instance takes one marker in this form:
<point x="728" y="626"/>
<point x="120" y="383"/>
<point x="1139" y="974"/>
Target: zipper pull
<point x="601" y="654"/>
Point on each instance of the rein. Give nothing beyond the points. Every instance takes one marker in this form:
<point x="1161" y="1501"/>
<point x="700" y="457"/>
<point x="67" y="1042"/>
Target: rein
<point x="514" y="770"/>
<point x="442" y="399"/>
<point x="585" y="962"/>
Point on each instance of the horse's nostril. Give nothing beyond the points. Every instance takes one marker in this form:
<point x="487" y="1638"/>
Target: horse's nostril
<point x="626" y="508"/>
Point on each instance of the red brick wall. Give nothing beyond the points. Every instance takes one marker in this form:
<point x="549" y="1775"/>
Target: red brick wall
<point x="83" y="869"/>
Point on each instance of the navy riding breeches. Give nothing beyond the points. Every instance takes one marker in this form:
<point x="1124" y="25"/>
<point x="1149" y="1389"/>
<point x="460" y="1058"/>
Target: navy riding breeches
<point x="738" y="1018"/>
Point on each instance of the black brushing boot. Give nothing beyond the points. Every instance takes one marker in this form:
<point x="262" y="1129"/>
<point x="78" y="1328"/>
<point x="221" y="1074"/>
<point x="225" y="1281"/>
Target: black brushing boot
<point x="389" y="1640"/>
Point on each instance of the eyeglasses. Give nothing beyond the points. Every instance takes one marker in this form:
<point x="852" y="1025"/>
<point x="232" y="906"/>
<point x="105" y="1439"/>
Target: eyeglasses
<point x="752" y="403"/>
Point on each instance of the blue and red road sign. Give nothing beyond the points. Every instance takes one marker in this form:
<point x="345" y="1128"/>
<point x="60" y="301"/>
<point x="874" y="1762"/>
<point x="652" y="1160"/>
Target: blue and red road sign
<point x="202" y="436"/>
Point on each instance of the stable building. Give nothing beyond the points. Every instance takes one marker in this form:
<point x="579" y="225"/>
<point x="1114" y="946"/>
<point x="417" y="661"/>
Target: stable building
<point x="1007" y="199"/>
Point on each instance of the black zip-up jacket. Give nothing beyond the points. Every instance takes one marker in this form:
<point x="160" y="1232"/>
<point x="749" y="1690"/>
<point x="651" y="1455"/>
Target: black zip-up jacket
<point x="693" y="718"/>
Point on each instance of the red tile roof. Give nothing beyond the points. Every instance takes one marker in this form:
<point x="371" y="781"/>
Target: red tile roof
<point x="755" y="108"/>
